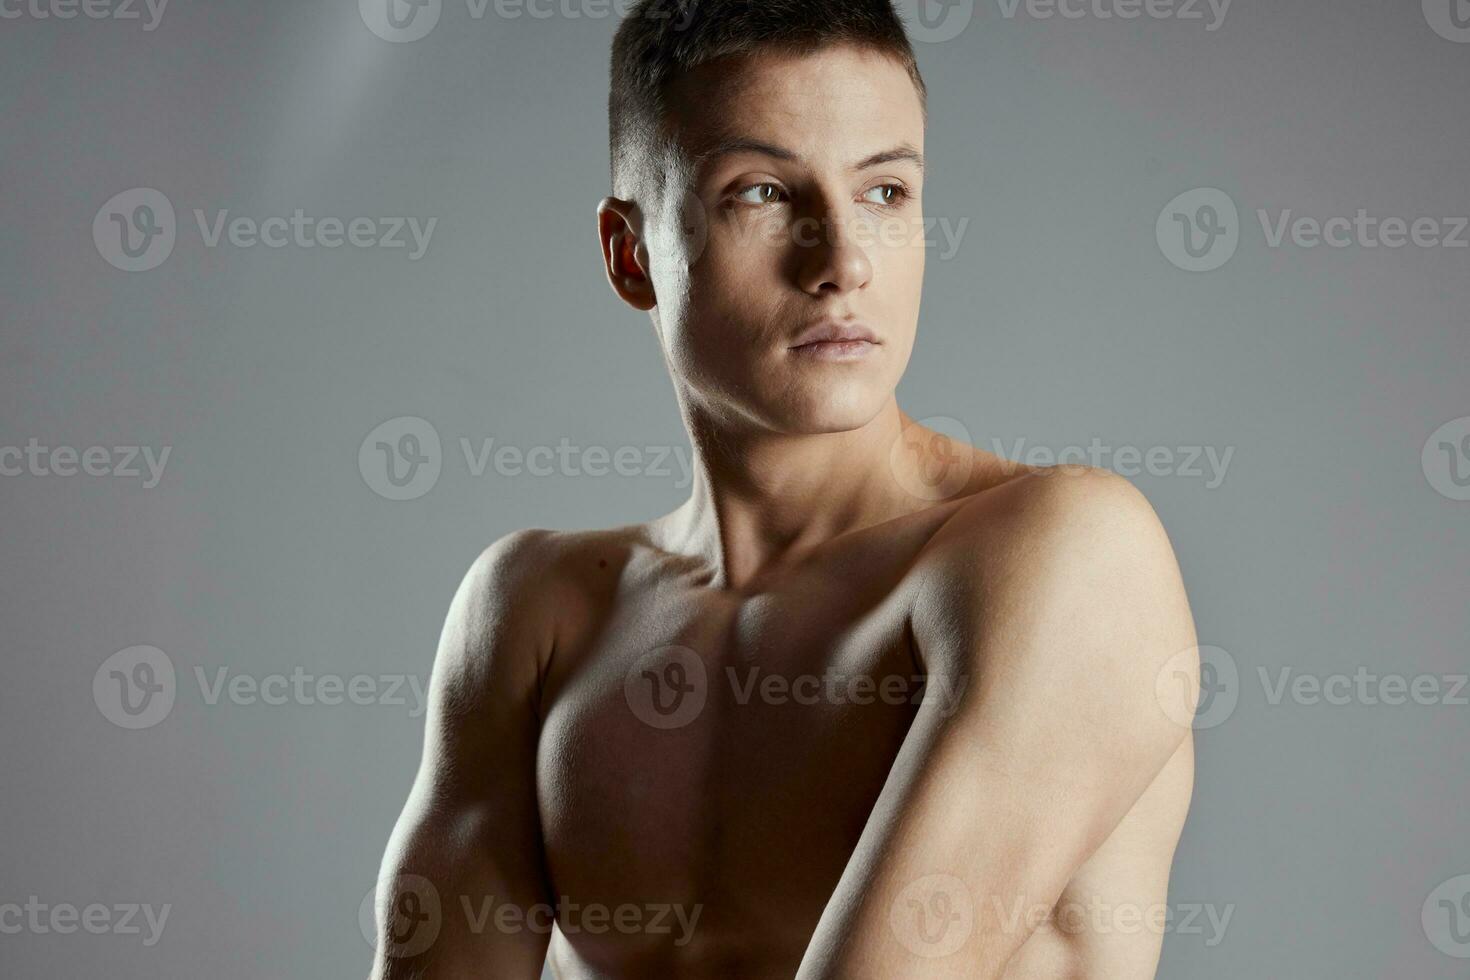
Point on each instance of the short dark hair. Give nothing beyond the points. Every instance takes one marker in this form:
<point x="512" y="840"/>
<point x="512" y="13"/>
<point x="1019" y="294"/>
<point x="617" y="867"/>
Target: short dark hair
<point x="661" y="39"/>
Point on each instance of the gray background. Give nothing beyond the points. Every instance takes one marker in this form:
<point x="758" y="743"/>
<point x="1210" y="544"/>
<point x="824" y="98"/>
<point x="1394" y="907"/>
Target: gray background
<point x="1323" y="828"/>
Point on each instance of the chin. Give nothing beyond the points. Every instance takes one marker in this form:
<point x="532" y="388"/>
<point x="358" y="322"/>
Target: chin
<point x="840" y="408"/>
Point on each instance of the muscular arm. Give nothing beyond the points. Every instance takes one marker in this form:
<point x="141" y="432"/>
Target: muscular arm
<point x="1057" y="598"/>
<point x="469" y="840"/>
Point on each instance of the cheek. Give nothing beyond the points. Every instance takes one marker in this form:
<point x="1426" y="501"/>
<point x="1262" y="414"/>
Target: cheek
<point x="900" y="237"/>
<point x="898" y="272"/>
<point x="749" y="246"/>
<point x="736" y="273"/>
<point x="719" y="314"/>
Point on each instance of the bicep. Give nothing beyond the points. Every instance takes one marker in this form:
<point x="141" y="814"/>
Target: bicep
<point x="468" y="842"/>
<point x="1056" y="631"/>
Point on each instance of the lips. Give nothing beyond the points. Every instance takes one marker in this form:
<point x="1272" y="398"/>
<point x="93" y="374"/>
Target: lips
<point x="834" y="332"/>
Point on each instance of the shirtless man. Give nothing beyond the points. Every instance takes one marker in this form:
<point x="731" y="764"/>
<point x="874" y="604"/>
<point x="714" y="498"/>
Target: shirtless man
<point x="872" y="704"/>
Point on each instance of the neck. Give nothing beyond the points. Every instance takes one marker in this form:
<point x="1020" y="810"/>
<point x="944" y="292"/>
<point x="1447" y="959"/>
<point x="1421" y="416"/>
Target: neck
<point x="762" y="499"/>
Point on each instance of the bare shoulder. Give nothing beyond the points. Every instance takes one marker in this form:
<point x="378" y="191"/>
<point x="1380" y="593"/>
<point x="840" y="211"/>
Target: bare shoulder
<point x="1071" y="515"/>
<point x="506" y="582"/>
<point x="520" y="594"/>
<point x="537" y="569"/>
<point x="1057" y="548"/>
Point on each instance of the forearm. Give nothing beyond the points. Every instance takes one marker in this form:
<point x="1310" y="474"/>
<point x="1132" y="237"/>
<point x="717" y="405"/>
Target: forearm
<point x="923" y="895"/>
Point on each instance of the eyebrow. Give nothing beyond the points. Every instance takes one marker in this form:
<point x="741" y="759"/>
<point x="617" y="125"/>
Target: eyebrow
<point x="743" y="144"/>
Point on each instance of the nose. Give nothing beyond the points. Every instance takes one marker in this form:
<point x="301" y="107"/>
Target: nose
<point x="832" y="262"/>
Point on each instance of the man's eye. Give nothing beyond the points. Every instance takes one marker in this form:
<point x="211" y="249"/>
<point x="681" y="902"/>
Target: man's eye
<point x="886" y="194"/>
<point x="759" y="194"/>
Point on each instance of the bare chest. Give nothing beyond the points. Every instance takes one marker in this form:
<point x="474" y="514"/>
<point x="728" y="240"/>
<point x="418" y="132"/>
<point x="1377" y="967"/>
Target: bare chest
<point x="697" y="748"/>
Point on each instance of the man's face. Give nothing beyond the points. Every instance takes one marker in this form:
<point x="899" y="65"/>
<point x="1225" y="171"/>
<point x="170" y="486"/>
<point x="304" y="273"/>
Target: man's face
<point x="802" y="209"/>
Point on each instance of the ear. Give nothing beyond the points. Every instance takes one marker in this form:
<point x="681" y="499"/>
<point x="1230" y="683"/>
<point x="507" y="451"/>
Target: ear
<point x="624" y="252"/>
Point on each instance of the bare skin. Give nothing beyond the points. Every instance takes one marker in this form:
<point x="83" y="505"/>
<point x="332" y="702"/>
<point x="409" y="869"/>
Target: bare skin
<point x="871" y="704"/>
